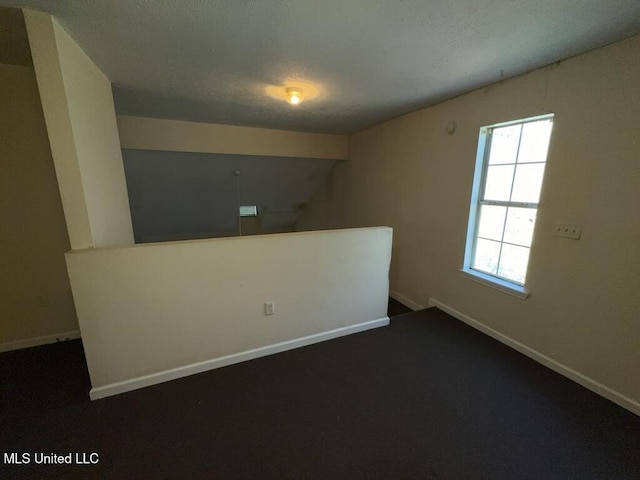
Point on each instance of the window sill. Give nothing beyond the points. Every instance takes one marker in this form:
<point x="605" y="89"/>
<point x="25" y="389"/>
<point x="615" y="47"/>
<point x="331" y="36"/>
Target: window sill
<point x="495" y="283"/>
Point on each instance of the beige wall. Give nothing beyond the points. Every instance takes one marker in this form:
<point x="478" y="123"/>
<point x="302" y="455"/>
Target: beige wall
<point x="178" y="136"/>
<point x="34" y="288"/>
<point x="148" y="309"/>
<point x="80" y="117"/>
<point x="584" y="308"/>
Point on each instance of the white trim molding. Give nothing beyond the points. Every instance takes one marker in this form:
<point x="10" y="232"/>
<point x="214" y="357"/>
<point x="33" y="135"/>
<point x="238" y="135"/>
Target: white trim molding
<point x="571" y="374"/>
<point x="37" y="341"/>
<point x="496" y="283"/>
<point x="407" y="302"/>
<point x="175" y="373"/>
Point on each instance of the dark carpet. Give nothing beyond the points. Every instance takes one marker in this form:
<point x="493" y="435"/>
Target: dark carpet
<point x="395" y="308"/>
<point x="425" y="398"/>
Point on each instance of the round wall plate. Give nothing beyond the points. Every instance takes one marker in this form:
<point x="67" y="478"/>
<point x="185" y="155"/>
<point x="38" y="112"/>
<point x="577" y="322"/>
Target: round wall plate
<point x="451" y="127"/>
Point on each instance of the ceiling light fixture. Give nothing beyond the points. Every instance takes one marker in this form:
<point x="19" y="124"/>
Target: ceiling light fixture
<point x="294" y="96"/>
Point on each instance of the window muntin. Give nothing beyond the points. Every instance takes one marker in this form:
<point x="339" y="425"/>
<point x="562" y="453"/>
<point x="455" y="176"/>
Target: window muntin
<point x="507" y="185"/>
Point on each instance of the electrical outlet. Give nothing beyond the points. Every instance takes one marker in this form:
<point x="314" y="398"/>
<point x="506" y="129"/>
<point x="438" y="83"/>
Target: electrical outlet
<point x="269" y="308"/>
<point x="567" y="230"/>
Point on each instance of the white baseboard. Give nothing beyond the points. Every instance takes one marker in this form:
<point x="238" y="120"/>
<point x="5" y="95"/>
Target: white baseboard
<point x="407" y="302"/>
<point x="585" y="381"/>
<point x="175" y="373"/>
<point x="37" y="341"/>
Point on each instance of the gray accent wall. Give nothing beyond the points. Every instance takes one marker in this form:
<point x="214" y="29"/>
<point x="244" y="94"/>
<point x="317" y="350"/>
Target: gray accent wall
<point x="178" y="195"/>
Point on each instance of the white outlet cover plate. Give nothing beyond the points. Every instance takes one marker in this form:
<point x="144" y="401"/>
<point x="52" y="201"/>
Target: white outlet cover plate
<point x="567" y="230"/>
<point x="269" y="308"/>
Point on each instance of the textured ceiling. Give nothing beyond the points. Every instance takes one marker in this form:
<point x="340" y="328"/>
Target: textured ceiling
<point x="363" y="61"/>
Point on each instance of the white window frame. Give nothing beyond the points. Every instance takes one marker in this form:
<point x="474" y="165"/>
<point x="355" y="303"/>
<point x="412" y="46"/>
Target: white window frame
<point x="477" y="192"/>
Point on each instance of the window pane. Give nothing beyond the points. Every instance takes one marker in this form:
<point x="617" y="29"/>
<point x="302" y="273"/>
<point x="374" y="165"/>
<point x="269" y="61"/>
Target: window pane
<point x="498" y="186"/>
<point x="248" y="211"/>
<point x="527" y="183"/>
<point x="513" y="263"/>
<point x="506" y="192"/>
<point x="504" y="144"/>
<point x="519" y="228"/>
<point x="486" y="257"/>
<point x="491" y="222"/>
<point x="535" y="141"/>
